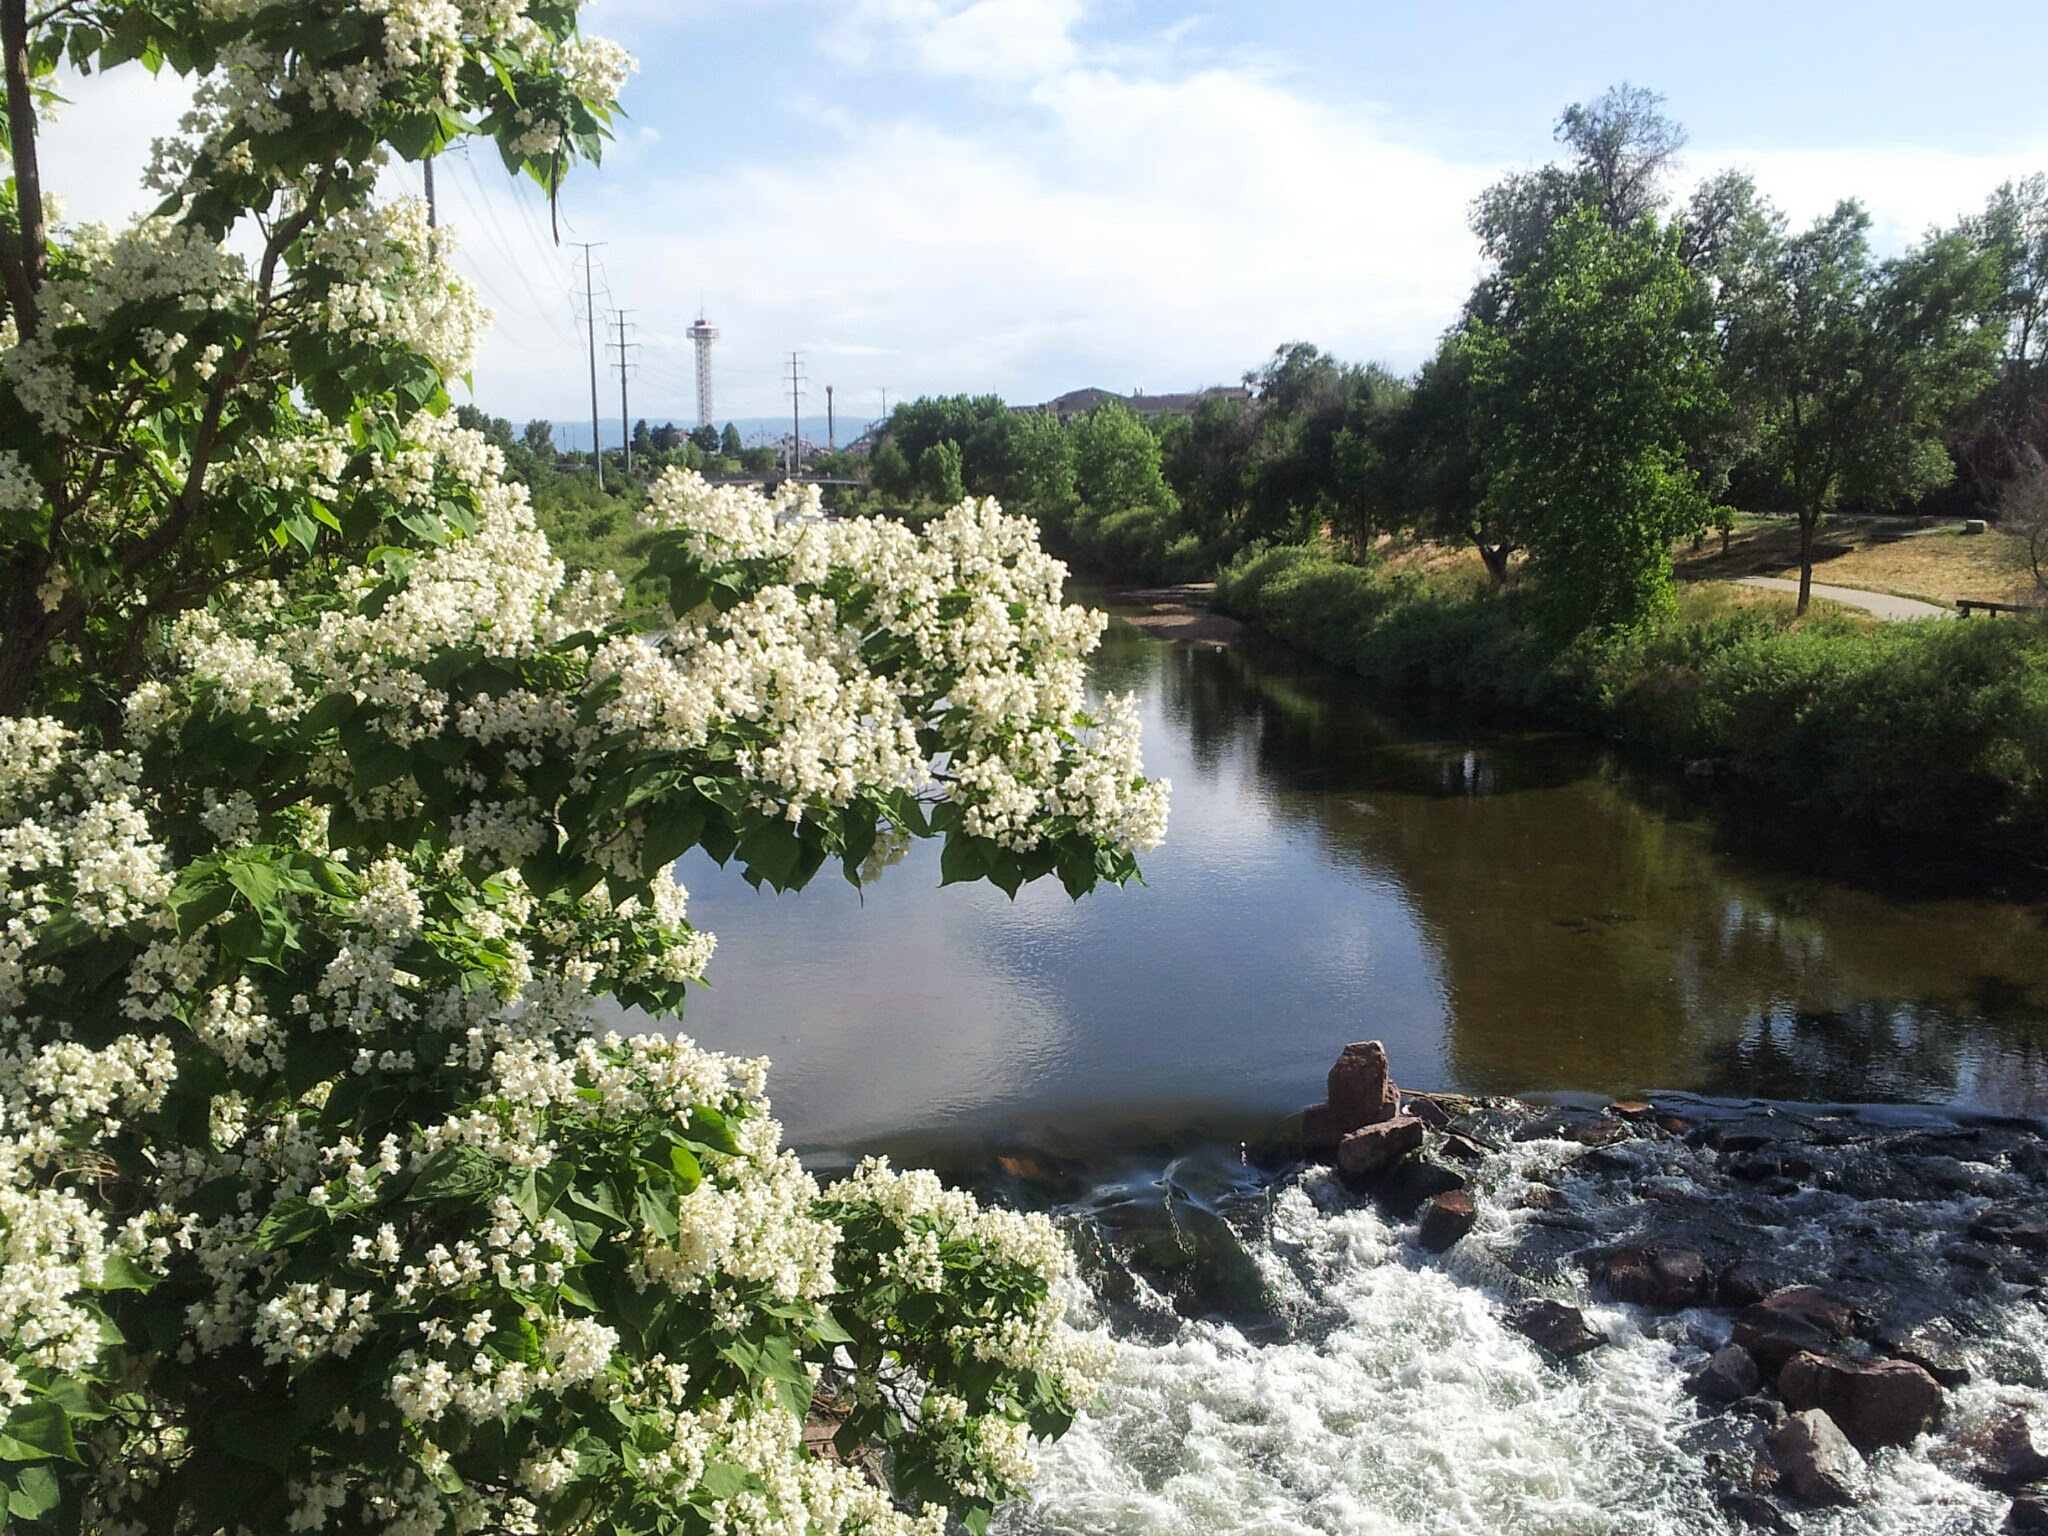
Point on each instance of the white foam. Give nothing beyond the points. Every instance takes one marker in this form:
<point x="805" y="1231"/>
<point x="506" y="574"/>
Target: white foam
<point x="1417" y="1410"/>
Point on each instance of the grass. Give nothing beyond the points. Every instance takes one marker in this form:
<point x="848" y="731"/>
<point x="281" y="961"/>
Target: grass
<point x="1877" y="554"/>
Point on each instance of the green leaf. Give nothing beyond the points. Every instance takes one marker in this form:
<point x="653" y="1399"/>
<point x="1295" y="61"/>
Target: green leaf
<point x="689" y="1173"/>
<point x="709" y="1127"/>
<point x="35" y="1493"/>
<point x="291" y="1221"/>
<point x="37" y="1431"/>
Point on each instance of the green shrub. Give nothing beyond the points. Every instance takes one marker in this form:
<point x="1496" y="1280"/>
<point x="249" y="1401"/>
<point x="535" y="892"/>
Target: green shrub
<point x="1938" y="729"/>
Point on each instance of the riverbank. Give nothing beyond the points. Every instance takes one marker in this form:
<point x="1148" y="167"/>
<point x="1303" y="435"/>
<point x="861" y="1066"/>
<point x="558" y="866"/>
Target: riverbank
<point x="1933" y="733"/>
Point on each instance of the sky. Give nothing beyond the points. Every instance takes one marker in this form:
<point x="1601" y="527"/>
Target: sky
<point x="1029" y="196"/>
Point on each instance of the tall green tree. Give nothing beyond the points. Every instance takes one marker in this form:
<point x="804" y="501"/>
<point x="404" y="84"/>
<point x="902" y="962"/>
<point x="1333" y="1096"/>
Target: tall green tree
<point x="1621" y="147"/>
<point x="729" y="444"/>
<point x="1598" y="393"/>
<point x="1116" y="462"/>
<point x="1857" y="367"/>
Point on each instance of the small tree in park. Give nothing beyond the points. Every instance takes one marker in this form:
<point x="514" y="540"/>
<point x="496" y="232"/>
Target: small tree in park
<point x="330" y="810"/>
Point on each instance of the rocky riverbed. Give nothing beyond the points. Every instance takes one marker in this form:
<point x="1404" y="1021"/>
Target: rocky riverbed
<point x="1672" y="1315"/>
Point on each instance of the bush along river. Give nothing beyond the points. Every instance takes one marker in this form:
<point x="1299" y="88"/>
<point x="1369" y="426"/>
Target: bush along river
<point x="1714" y="1197"/>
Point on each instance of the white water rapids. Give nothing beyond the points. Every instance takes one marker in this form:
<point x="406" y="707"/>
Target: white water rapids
<point x="1400" y="1402"/>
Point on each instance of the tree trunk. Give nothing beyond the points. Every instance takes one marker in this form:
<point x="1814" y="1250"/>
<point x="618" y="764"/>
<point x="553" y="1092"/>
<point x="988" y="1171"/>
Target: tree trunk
<point x="1496" y="558"/>
<point x="1806" y="522"/>
<point x="23" y="266"/>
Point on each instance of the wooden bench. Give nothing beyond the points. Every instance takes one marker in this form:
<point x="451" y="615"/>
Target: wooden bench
<point x="1970" y="605"/>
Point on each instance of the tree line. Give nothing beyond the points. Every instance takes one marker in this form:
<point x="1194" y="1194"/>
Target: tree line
<point x="1631" y="367"/>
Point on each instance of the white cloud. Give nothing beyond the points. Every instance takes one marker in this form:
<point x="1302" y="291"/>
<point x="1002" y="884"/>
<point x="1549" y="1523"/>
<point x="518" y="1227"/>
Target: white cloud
<point x="1124" y="230"/>
<point x="999" y="40"/>
<point x="1907" y="189"/>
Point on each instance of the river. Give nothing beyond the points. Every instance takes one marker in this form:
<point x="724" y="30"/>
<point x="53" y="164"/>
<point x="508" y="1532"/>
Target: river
<point x="1513" y="913"/>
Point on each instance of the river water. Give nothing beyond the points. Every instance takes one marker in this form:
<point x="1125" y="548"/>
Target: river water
<point x="1513" y="913"/>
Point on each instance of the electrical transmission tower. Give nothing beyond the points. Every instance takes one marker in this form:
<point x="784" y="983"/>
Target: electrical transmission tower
<point x="797" y="381"/>
<point x="623" y="347"/>
<point x="590" y="321"/>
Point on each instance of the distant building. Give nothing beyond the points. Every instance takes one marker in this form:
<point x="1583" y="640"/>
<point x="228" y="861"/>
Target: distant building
<point x="1079" y="402"/>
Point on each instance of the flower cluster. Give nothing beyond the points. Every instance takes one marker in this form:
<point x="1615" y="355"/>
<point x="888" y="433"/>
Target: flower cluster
<point x="338" y="821"/>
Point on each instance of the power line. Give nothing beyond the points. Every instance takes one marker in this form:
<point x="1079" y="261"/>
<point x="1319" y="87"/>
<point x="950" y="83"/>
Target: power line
<point x="623" y="346"/>
<point x="797" y="381"/>
<point x="590" y="318"/>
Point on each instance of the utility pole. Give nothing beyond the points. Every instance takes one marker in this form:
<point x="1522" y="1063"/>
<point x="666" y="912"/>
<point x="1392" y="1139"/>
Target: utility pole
<point x="796" y="423"/>
<point x="590" y="321"/>
<point x="885" y="405"/>
<point x="831" y="431"/>
<point x="625" y="426"/>
<point x="427" y="171"/>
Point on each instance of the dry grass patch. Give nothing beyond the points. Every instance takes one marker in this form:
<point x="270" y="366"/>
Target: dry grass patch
<point x="1937" y="565"/>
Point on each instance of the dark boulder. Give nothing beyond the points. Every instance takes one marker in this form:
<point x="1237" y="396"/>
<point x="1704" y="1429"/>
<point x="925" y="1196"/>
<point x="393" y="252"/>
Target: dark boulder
<point x="1463" y="1148"/>
<point x="1724" y="1377"/>
<point x="2002" y="1453"/>
<point x="1662" y="1275"/>
<point x="1816" y="1462"/>
<point x="1362" y="1093"/>
<point x="1445" y="1219"/>
<point x="1368" y="1152"/>
<point x="1875" y="1402"/>
<point x="1412" y="1181"/>
<point x="2028" y="1515"/>
<point x="1746" y="1282"/>
<point x="1932" y="1345"/>
<point x="1754" y="1511"/>
<point x="1799" y="1317"/>
<point x="1556" y="1328"/>
<point x="2012" y="1229"/>
<point x="1428" y="1110"/>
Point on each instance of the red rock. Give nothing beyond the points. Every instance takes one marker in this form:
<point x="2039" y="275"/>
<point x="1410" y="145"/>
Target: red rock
<point x="1658" y="1276"/>
<point x="1631" y="1109"/>
<point x="1876" y="1402"/>
<point x="2003" y="1454"/>
<point x="1445" y="1219"/>
<point x="1371" y="1150"/>
<point x="1362" y="1093"/>
<point x="1799" y="1317"/>
<point x="1556" y="1328"/>
<point x="1818" y="1463"/>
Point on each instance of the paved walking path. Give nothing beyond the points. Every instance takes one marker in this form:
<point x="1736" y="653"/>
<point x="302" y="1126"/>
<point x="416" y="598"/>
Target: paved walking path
<point x="1883" y="604"/>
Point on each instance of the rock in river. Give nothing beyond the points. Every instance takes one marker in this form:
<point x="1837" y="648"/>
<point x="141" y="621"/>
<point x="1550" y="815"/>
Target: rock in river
<point x="1726" y="1376"/>
<point x="1362" y="1093"/>
<point x="1445" y="1219"/>
<point x="1800" y="1317"/>
<point x="1818" y="1463"/>
<point x="1659" y="1276"/>
<point x="1558" y="1329"/>
<point x="1371" y="1150"/>
<point x="2003" y="1454"/>
<point x="1875" y="1402"/>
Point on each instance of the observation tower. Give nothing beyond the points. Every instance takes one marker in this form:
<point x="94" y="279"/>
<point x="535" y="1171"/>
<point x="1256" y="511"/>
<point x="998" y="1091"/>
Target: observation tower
<point x="703" y="333"/>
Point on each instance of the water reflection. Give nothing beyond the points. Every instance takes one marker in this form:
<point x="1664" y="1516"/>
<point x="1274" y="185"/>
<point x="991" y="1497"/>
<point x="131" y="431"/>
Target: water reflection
<point x="1512" y="913"/>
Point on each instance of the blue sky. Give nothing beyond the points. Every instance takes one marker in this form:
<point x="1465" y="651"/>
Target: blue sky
<point x="1026" y="196"/>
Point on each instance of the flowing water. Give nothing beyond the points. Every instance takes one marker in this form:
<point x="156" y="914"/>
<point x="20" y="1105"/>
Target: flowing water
<point x="1513" y="913"/>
